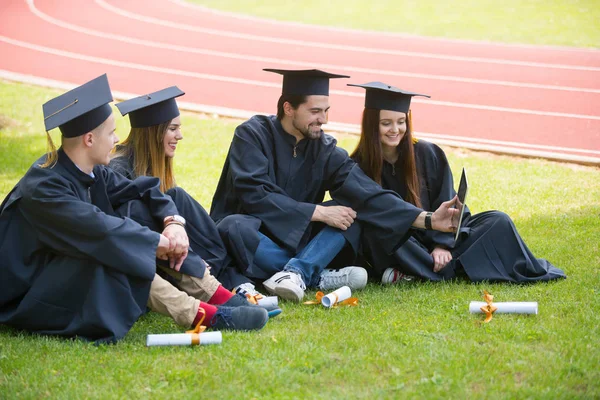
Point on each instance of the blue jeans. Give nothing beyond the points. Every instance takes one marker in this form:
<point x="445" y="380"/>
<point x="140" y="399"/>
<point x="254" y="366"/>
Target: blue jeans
<point x="309" y="263"/>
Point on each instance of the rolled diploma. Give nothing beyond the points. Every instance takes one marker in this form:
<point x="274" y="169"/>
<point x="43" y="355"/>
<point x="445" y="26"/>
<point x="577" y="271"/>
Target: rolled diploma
<point x="184" y="339"/>
<point x="342" y="293"/>
<point x="269" y="301"/>
<point x="516" y="307"/>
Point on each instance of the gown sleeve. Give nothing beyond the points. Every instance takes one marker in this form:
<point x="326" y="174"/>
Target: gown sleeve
<point x="70" y="226"/>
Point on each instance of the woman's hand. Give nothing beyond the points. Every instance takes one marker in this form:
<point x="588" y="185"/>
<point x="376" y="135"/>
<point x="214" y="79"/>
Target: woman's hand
<point x="441" y="258"/>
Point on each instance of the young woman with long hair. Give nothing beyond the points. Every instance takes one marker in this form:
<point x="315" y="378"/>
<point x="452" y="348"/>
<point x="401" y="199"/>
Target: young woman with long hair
<point x="149" y="151"/>
<point x="488" y="247"/>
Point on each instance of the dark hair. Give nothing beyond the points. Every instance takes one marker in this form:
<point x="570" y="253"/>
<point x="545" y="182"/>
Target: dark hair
<point x="294" y="99"/>
<point x="369" y="156"/>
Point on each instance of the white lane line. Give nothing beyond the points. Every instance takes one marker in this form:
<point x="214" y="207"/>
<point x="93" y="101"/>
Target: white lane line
<point x="228" y="79"/>
<point x="228" y="14"/>
<point x="129" y="65"/>
<point x="450" y="140"/>
<point x="270" y="60"/>
<point x="244" y="36"/>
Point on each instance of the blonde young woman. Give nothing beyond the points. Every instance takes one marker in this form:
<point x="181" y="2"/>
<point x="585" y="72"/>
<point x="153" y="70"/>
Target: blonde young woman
<point x="489" y="246"/>
<point x="149" y="151"/>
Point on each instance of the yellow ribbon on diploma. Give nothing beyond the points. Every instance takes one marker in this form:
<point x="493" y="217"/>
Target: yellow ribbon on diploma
<point x="198" y="329"/>
<point x="351" y="302"/>
<point x="252" y="299"/>
<point x="489" y="308"/>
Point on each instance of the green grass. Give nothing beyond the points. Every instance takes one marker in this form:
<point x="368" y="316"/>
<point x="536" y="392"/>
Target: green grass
<point x="560" y="22"/>
<point x="414" y="340"/>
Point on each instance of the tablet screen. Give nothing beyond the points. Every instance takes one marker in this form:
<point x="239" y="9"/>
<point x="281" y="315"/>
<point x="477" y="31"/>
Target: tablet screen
<point x="462" y="197"/>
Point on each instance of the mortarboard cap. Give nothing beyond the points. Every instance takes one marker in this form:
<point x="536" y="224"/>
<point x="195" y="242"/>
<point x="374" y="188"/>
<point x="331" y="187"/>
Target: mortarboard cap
<point x="152" y="109"/>
<point x="306" y="82"/>
<point x="80" y="110"/>
<point x="385" y="97"/>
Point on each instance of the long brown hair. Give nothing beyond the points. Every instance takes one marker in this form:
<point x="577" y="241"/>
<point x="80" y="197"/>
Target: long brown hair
<point x="149" y="154"/>
<point x="369" y="155"/>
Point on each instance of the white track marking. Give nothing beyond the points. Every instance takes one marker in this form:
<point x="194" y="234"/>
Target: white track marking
<point x="228" y="14"/>
<point x="270" y="60"/>
<point x="244" y="36"/>
<point x="228" y="79"/>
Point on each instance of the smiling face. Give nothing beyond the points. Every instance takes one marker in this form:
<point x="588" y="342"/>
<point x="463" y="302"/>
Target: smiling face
<point x="172" y="136"/>
<point x="392" y="127"/>
<point x="307" y="119"/>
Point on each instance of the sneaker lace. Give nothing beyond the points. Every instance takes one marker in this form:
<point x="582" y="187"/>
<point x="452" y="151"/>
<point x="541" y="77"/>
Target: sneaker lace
<point x="333" y="278"/>
<point x="224" y="314"/>
<point x="297" y="279"/>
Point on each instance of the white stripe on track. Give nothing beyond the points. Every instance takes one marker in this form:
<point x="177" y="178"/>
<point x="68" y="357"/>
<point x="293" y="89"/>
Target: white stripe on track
<point x="366" y="32"/>
<point x="497" y="146"/>
<point x="244" y="36"/>
<point x="270" y="60"/>
<point x="228" y="79"/>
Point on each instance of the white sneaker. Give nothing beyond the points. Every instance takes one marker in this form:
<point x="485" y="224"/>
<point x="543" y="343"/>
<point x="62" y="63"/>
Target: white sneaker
<point x="287" y="285"/>
<point x="353" y="277"/>
<point x="247" y="288"/>
<point x="393" y="276"/>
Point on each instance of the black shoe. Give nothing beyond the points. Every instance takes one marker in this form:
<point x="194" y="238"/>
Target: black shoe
<point x="239" y="300"/>
<point x="239" y="318"/>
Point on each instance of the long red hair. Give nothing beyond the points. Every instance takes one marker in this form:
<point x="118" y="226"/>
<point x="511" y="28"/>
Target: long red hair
<point x="369" y="155"/>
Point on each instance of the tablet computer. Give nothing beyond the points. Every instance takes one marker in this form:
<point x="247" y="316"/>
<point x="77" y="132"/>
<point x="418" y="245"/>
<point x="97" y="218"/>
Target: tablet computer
<point x="462" y="197"/>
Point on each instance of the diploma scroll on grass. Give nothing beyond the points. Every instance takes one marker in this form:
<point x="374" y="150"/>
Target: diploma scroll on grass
<point x="339" y="297"/>
<point x="184" y="339"/>
<point x="489" y="307"/>
<point x="514" y="307"/>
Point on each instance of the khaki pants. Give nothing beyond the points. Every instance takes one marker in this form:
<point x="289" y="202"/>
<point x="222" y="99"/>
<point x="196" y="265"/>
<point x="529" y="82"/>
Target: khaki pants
<point x="181" y="303"/>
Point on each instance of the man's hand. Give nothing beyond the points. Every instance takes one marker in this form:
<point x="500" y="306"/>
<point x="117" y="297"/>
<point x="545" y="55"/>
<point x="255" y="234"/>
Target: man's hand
<point x="441" y="258"/>
<point x="178" y="245"/>
<point x="340" y="217"/>
<point x="444" y="219"/>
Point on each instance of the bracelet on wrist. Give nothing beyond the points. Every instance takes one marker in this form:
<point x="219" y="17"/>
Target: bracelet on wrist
<point x="174" y="223"/>
<point x="428" y="225"/>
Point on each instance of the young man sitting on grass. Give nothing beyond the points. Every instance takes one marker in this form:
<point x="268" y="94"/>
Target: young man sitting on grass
<point x="72" y="262"/>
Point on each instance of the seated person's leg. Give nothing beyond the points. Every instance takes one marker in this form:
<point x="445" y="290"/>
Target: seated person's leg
<point x="188" y="311"/>
<point x="269" y="259"/>
<point x="308" y="267"/>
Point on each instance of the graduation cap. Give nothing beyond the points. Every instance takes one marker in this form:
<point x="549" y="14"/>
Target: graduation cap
<point x="306" y="82"/>
<point x="385" y="97"/>
<point x="152" y="109"/>
<point x="80" y="110"/>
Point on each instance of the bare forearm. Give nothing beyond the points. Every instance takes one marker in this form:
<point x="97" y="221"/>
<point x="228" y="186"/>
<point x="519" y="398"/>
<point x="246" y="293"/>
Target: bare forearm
<point x="419" y="222"/>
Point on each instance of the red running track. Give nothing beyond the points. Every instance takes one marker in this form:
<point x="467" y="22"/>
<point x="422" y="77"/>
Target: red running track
<point x="509" y="98"/>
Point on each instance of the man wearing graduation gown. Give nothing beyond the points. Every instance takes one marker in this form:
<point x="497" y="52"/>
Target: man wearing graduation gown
<point x="488" y="247"/>
<point x="70" y="265"/>
<point x="268" y="200"/>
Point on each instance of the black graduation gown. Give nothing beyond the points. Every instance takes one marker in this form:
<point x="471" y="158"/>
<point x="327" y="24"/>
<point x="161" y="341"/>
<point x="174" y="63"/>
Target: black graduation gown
<point x="205" y="241"/>
<point x="270" y="183"/>
<point x="69" y="265"/>
<point x="489" y="246"/>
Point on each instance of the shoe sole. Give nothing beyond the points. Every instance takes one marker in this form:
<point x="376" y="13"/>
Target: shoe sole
<point x="288" y="293"/>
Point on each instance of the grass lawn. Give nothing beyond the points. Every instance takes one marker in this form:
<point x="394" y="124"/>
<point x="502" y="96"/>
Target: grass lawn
<point x="559" y="22"/>
<point x="413" y="340"/>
